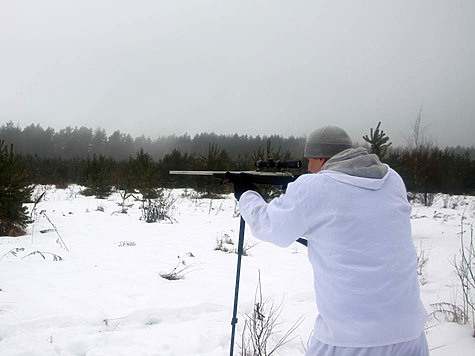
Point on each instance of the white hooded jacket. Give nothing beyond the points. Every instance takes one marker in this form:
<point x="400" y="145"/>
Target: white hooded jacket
<point x="359" y="244"/>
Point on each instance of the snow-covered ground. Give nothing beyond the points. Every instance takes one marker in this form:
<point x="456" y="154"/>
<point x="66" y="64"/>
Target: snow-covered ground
<point x="106" y="296"/>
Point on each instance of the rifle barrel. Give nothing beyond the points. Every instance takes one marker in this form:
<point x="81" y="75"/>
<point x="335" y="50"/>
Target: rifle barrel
<point x="219" y="173"/>
<point x="193" y="173"/>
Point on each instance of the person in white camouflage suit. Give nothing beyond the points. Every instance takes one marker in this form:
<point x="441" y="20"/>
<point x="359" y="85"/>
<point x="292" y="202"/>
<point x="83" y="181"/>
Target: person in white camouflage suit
<point x="354" y="212"/>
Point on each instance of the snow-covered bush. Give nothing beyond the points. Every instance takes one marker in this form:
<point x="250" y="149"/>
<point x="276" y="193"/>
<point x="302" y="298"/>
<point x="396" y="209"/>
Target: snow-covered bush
<point x="160" y="208"/>
<point x="225" y="244"/>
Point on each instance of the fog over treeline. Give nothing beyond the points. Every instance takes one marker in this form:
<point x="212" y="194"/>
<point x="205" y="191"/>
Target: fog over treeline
<point x="83" y="142"/>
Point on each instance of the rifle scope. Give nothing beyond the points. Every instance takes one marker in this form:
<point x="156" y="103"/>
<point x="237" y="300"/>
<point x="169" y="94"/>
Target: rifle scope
<point x="280" y="165"/>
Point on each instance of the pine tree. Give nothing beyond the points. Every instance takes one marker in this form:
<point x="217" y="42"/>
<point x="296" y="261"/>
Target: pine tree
<point x="145" y="174"/>
<point x="176" y="160"/>
<point x="15" y="191"/>
<point x="215" y="160"/>
<point x="269" y="153"/>
<point x="97" y="176"/>
<point x="378" y="141"/>
<point x="269" y="192"/>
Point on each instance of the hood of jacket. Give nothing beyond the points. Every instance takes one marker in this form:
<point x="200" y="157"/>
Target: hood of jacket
<point x="357" y="167"/>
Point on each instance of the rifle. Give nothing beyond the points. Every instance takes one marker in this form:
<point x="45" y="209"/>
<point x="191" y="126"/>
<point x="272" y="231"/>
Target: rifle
<point x="272" y="178"/>
<point x="259" y="176"/>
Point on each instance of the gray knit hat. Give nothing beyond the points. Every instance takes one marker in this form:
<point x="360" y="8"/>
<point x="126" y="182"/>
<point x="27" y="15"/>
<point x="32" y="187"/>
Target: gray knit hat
<point x="326" y="142"/>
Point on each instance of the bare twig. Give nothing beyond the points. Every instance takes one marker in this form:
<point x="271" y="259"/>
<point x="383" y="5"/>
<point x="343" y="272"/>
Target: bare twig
<point x="60" y="240"/>
<point x="437" y="347"/>
<point x="422" y="259"/>
<point x="42" y="254"/>
<point x="37" y="201"/>
<point x="13" y="252"/>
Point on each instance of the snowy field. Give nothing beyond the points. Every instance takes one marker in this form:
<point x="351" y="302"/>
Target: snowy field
<point x="106" y="295"/>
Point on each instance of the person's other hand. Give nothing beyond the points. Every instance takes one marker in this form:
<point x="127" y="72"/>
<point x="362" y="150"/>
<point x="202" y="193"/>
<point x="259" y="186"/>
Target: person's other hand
<point x="241" y="185"/>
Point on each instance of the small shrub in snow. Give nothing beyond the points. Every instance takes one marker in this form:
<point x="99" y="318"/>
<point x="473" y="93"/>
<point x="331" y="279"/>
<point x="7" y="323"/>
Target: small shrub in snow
<point x="259" y="336"/>
<point x="125" y="194"/>
<point x="160" y="208"/>
<point x="225" y="244"/>
<point x="211" y="208"/>
<point x="465" y="267"/>
<point x="450" y="312"/>
<point x="179" y="271"/>
<point x="422" y="259"/>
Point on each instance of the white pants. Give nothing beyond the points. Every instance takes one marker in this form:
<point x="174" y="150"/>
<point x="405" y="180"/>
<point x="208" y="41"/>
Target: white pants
<point x="416" y="347"/>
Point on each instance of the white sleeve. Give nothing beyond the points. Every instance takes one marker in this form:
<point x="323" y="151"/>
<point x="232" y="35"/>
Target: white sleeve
<point x="280" y="221"/>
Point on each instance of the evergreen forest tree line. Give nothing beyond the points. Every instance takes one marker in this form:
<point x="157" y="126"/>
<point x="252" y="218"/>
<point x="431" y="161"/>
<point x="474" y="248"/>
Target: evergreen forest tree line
<point x="82" y="142"/>
<point x="98" y="162"/>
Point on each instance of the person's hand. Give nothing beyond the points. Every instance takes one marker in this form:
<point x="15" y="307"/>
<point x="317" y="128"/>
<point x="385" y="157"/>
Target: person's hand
<point x="240" y="188"/>
<point x="241" y="185"/>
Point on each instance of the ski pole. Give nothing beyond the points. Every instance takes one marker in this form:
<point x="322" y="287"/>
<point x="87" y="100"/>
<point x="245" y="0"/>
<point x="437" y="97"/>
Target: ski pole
<point x="236" y="288"/>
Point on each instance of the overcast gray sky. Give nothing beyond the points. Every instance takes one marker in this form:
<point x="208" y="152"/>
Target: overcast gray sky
<point x="249" y="67"/>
